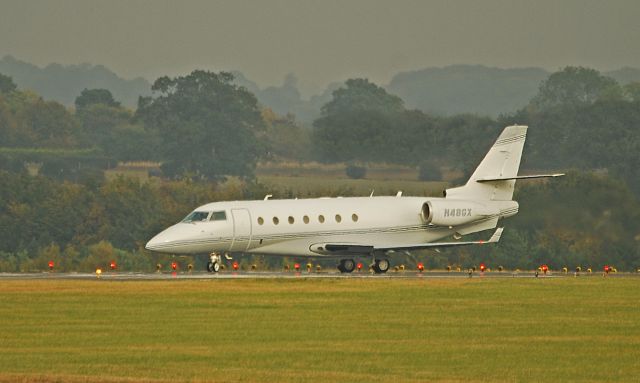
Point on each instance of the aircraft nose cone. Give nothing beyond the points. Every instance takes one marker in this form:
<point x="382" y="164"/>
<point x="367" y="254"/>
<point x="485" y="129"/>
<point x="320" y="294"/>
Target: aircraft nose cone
<point x="152" y="244"/>
<point x="161" y="242"/>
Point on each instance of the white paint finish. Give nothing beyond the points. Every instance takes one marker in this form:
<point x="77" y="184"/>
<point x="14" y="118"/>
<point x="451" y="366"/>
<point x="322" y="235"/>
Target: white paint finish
<point x="242" y="233"/>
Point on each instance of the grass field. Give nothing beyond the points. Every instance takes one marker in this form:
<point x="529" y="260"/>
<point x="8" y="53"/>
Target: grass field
<point x="307" y="330"/>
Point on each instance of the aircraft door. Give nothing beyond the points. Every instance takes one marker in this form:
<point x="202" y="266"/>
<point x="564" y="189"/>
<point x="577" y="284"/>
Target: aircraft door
<point x="241" y="230"/>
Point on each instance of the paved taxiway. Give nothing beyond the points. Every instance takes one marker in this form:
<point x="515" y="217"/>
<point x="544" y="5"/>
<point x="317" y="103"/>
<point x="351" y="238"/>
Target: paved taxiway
<point x="124" y="276"/>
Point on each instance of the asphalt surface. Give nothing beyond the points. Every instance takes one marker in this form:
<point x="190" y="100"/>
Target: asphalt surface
<point x="126" y="276"/>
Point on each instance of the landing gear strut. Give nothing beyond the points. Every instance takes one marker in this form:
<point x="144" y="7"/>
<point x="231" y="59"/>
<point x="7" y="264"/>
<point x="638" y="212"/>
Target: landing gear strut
<point x="346" y="265"/>
<point x="213" y="266"/>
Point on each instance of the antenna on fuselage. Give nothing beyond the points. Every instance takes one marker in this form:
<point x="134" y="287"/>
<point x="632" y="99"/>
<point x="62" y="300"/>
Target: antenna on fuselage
<point x="268" y="196"/>
<point x="372" y="190"/>
<point x="399" y="193"/>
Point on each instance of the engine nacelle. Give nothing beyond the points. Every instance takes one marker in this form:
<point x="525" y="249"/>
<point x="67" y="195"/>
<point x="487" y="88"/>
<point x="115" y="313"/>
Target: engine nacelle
<point x="454" y="212"/>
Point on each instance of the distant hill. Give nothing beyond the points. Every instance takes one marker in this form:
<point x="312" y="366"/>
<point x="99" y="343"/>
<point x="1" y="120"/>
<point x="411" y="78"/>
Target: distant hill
<point x="64" y="83"/>
<point x="287" y="99"/>
<point x="624" y="75"/>
<point x="448" y="90"/>
<point x="467" y="89"/>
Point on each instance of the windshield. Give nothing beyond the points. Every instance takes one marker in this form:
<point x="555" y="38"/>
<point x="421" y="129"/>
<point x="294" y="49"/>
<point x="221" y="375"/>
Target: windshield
<point x="196" y="216"/>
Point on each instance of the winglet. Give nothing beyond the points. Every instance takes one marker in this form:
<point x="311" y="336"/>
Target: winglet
<point x="496" y="236"/>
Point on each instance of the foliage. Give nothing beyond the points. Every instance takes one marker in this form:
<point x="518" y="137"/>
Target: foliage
<point x="284" y="138"/>
<point x="207" y="125"/>
<point x="95" y="97"/>
<point x="632" y="91"/>
<point x="356" y="122"/>
<point x="6" y="84"/>
<point x="576" y="86"/>
<point x="26" y="120"/>
<point x="202" y="127"/>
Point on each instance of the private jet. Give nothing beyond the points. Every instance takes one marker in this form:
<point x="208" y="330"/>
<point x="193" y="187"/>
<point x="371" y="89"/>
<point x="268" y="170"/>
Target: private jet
<point x="346" y="228"/>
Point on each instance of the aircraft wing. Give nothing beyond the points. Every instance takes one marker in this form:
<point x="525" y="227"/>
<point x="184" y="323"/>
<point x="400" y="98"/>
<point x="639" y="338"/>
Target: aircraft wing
<point x="494" y="239"/>
<point x="353" y="249"/>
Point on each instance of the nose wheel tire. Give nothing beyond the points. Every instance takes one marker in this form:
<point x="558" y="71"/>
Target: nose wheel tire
<point x="381" y="266"/>
<point x="346" y="265"/>
<point x="213" y="267"/>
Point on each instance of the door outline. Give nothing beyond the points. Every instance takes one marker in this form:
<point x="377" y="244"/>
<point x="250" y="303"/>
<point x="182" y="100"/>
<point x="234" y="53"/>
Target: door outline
<point x="242" y="227"/>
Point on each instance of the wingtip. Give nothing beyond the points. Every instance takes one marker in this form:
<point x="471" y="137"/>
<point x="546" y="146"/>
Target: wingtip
<point x="496" y="235"/>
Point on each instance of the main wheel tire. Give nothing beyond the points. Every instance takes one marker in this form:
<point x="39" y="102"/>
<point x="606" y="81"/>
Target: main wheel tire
<point x="216" y="267"/>
<point x="381" y="266"/>
<point x="210" y="267"/>
<point x="346" y="266"/>
<point x="349" y="265"/>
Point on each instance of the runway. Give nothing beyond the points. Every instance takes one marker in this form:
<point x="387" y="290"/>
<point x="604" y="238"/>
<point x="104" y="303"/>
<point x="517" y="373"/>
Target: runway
<point x="226" y="275"/>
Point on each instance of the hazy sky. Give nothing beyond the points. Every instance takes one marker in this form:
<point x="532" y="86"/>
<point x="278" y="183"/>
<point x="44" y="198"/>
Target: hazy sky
<point x="320" y="41"/>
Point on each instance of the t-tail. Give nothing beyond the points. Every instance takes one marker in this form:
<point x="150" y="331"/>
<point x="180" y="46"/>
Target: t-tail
<point x="495" y="178"/>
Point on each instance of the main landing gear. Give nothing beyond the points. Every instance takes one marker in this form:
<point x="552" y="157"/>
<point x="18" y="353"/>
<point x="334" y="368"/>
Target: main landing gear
<point x="213" y="266"/>
<point x="380" y="266"/>
<point x="346" y="265"/>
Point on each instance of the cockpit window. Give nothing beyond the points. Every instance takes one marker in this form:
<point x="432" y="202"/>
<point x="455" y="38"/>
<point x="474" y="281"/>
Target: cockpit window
<point x="196" y="216"/>
<point x="219" y="216"/>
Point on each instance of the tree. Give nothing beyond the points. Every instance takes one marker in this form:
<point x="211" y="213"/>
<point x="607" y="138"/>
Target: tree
<point x="576" y="86"/>
<point x="207" y="125"/>
<point x="43" y="123"/>
<point x="6" y="84"/>
<point x="95" y="96"/>
<point x="359" y="123"/>
<point x="361" y="95"/>
<point x="285" y="138"/>
<point x="632" y="91"/>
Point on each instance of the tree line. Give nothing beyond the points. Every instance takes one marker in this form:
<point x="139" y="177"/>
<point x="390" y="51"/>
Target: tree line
<point x="203" y="128"/>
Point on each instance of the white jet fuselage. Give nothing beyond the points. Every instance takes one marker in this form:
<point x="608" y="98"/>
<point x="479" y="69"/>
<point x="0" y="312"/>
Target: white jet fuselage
<point x="302" y="227"/>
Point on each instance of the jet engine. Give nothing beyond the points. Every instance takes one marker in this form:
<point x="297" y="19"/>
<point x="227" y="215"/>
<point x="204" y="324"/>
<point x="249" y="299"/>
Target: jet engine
<point x="454" y="212"/>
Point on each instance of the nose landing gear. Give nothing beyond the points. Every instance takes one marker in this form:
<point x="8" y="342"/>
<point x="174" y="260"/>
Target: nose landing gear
<point x="213" y="266"/>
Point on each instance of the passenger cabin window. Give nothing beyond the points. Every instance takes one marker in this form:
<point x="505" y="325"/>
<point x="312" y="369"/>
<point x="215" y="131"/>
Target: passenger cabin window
<point x="196" y="216"/>
<point x="305" y="219"/>
<point x="219" y="216"/>
<point x="338" y="218"/>
<point x="321" y="218"/>
<point x="260" y="221"/>
<point x="276" y="220"/>
<point x="354" y="217"/>
<point x="291" y="220"/>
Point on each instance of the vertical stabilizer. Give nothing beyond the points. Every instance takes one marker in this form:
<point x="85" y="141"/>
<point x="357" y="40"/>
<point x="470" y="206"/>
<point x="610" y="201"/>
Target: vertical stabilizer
<point x="502" y="161"/>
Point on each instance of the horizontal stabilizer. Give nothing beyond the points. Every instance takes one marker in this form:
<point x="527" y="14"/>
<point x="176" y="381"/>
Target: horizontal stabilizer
<point x="496" y="179"/>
